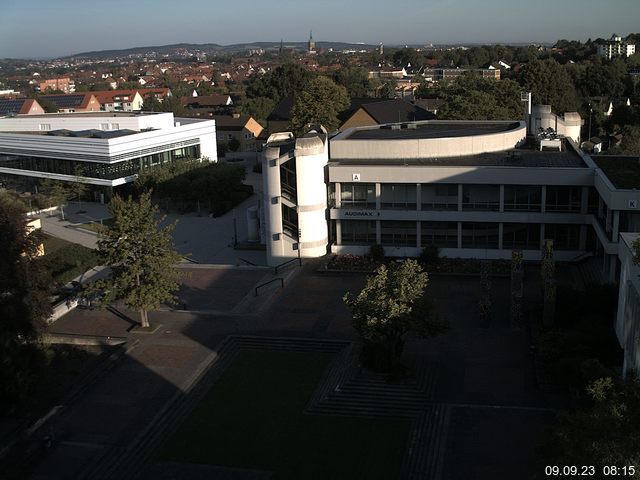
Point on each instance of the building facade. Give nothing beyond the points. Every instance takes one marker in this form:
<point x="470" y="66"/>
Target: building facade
<point x="615" y="47"/>
<point x="109" y="149"/>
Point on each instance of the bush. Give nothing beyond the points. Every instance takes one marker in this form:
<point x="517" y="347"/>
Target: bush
<point x="376" y="252"/>
<point x="69" y="262"/>
<point x="430" y="255"/>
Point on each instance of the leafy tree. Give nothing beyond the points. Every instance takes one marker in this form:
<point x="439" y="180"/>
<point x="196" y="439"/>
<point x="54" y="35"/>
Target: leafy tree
<point x="603" y="433"/>
<point x="257" y="107"/>
<point x="470" y="97"/>
<point x="284" y="81"/>
<point x="141" y="256"/>
<point x="550" y="84"/>
<point x="47" y="105"/>
<point x="392" y="305"/>
<point x="57" y="193"/>
<point x="355" y="79"/>
<point x="320" y="102"/>
<point x="24" y="307"/>
<point x="78" y="187"/>
<point x="406" y="56"/>
<point x="234" y="144"/>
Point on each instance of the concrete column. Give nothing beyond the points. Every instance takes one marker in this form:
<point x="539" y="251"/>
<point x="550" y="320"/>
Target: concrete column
<point x="338" y="194"/>
<point x="418" y="197"/>
<point x="501" y="204"/>
<point x="600" y="206"/>
<point x="500" y="229"/>
<point x="459" y="234"/>
<point x="543" y="201"/>
<point x="378" y="233"/>
<point x="583" y="238"/>
<point x="616" y="225"/>
<point x="612" y="268"/>
<point x="607" y="221"/>
<point x="418" y="237"/>
<point x="378" y="199"/>
<point x="339" y="232"/>
<point x="459" y="198"/>
<point x="541" y="236"/>
<point x="584" y="201"/>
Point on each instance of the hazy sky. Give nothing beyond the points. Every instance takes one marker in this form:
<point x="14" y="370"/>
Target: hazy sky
<point x="39" y="28"/>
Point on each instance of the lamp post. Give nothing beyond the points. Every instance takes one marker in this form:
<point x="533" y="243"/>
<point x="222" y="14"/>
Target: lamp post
<point x="299" y="246"/>
<point x="590" y="111"/>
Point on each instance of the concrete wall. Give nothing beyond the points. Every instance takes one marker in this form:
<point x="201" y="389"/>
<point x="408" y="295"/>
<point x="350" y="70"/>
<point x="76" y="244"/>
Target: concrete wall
<point x="628" y="316"/>
<point x="342" y="147"/>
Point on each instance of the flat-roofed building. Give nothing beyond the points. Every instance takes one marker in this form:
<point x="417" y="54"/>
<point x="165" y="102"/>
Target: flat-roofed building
<point x="108" y="148"/>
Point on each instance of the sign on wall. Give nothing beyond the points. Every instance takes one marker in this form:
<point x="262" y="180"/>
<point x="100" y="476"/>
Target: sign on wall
<point x="355" y="177"/>
<point x="633" y="203"/>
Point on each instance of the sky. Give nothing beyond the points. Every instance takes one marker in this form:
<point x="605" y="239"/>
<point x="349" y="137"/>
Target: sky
<point x="46" y="28"/>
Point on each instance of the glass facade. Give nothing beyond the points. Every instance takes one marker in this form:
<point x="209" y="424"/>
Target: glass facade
<point x="522" y="198"/>
<point x="565" y="237"/>
<point x="288" y="180"/>
<point x="563" y="199"/>
<point x="481" y="197"/>
<point x="398" y="233"/>
<point x="521" y="236"/>
<point x="358" y="195"/>
<point x="106" y="171"/>
<point x="400" y="196"/>
<point x="358" y="232"/>
<point x="440" y="234"/>
<point x="290" y="221"/>
<point x="479" y="235"/>
<point x="439" y="196"/>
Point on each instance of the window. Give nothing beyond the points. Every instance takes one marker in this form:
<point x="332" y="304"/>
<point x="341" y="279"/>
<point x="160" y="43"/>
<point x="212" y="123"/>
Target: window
<point x="522" y="198"/>
<point x="358" y="232"/>
<point x="45" y="127"/>
<point x="398" y="233"/>
<point x="288" y="180"/>
<point x="443" y="196"/>
<point x="565" y="237"/>
<point x="481" y="197"/>
<point x="440" y="234"/>
<point x="290" y="221"/>
<point x="479" y="235"/>
<point x="230" y="136"/>
<point x="398" y="196"/>
<point x="563" y="199"/>
<point x="358" y="195"/>
<point x="521" y="236"/>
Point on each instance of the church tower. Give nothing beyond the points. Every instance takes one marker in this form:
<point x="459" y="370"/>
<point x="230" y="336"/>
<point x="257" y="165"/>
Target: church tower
<point x="312" y="44"/>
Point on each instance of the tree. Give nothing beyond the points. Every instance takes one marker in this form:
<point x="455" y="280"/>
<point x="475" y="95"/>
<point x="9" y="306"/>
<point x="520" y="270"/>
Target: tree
<point x="471" y="97"/>
<point x="390" y="306"/>
<point x="550" y="84"/>
<point x="24" y="307"/>
<point x="141" y="256"/>
<point x="284" y="81"/>
<point x="57" y="193"/>
<point x="78" y="187"/>
<point x="355" y="79"/>
<point x="602" y="434"/>
<point x="320" y="102"/>
<point x="258" y="107"/>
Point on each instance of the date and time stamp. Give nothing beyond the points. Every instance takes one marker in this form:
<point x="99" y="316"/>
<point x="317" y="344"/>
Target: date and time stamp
<point x="574" y="471"/>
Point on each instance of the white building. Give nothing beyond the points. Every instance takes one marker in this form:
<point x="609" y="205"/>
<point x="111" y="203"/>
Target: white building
<point x="110" y="148"/>
<point x="615" y="47"/>
<point x="628" y="317"/>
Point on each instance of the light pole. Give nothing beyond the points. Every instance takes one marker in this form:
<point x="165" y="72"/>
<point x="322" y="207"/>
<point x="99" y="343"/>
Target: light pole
<point x="299" y="246"/>
<point x="590" y="111"/>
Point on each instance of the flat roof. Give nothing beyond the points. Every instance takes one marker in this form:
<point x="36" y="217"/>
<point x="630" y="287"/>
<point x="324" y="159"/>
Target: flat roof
<point x="428" y="129"/>
<point x="622" y="171"/>
<point x="89" y="114"/>
<point x="520" y="157"/>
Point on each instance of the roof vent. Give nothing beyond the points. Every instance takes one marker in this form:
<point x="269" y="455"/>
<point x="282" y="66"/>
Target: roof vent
<point x="395" y="126"/>
<point x="412" y="126"/>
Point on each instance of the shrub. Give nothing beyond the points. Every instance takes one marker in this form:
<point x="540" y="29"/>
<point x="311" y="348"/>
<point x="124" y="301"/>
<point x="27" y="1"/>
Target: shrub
<point x="430" y="255"/>
<point x="376" y="252"/>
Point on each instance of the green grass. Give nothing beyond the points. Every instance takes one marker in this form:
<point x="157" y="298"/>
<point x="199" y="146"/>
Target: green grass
<point x="67" y="260"/>
<point x="96" y="226"/>
<point x="253" y="418"/>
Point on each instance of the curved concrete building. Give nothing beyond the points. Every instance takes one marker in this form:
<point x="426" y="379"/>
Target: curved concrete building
<point x="295" y="195"/>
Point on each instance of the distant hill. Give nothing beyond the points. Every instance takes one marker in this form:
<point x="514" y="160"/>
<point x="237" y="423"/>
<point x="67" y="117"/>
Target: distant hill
<point x="213" y="48"/>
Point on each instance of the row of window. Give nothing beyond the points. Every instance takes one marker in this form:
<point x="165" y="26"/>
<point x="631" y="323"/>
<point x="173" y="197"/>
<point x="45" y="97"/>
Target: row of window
<point x="473" y="234"/>
<point x="108" y="171"/>
<point x="517" y="198"/>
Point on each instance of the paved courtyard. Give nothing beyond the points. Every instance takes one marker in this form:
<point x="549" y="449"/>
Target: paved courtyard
<point x="481" y="375"/>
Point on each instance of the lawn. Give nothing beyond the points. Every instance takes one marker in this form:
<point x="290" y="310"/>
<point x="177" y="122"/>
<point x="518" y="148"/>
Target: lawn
<point x="98" y="225"/>
<point x="253" y="418"/>
<point x="67" y="260"/>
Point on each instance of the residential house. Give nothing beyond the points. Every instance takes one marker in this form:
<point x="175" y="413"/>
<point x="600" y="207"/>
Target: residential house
<point x="119" y="100"/>
<point x="383" y="112"/>
<point x="75" y="102"/>
<point x="20" y="106"/>
<point x="243" y="128"/>
<point x="65" y="85"/>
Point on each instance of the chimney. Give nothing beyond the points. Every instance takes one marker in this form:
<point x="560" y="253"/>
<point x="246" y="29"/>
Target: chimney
<point x="235" y="115"/>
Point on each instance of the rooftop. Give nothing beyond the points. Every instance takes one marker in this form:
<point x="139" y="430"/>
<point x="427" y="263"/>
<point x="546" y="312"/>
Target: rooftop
<point x="526" y="157"/>
<point x="410" y="131"/>
<point x="623" y="172"/>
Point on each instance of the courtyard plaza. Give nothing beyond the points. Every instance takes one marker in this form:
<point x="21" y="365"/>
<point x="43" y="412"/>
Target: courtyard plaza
<point x="471" y="401"/>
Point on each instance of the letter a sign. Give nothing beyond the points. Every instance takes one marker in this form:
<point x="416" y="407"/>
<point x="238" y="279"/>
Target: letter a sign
<point x="356" y="177"/>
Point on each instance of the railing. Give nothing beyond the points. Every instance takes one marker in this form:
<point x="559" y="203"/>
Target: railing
<point x="247" y="261"/>
<point x="267" y="283"/>
<point x="288" y="262"/>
